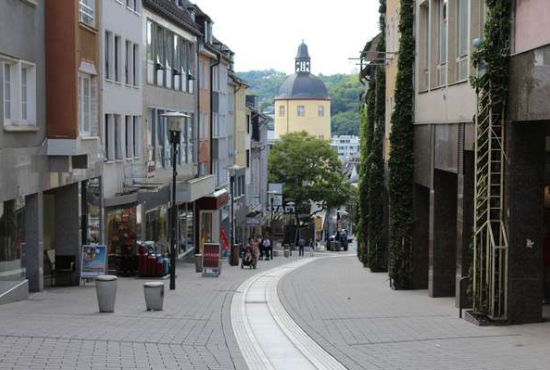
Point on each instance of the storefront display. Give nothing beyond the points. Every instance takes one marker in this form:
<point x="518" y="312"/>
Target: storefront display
<point x="12" y="243"/>
<point x="122" y="241"/>
<point x="186" y="228"/>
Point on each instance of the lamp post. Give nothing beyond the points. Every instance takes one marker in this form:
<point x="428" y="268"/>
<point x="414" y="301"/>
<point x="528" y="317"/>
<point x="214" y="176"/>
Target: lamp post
<point x="232" y="170"/>
<point x="176" y="122"/>
<point x="272" y="194"/>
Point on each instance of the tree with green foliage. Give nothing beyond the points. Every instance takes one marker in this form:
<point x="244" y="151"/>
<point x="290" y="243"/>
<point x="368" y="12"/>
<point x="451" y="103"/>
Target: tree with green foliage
<point x="401" y="162"/>
<point x="377" y="243"/>
<point x="310" y="171"/>
<point x="362" y="222"/>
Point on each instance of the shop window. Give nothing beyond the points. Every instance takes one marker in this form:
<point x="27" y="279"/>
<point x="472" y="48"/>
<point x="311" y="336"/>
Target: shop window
<point x="92" y="215"/>
<point x="122" y="240"/>
<point x="12" y="242"/>
<point x="186" y="235"/>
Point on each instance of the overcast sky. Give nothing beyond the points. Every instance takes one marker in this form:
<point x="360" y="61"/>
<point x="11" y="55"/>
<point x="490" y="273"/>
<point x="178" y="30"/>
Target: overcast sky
<point x="265" y="33"/>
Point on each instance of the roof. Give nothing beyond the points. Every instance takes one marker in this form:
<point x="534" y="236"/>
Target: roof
<point x="303" y="52"/>
<point x="170" y="10"/>
<point x="303" y="86"/>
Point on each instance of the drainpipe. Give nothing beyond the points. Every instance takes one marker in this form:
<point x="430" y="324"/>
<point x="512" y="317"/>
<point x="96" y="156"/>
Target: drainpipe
<point x="198" y="92"/>
<point x="212" y="66"/>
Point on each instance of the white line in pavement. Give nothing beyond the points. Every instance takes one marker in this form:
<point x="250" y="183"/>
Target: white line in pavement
<point x="267" y="336"/>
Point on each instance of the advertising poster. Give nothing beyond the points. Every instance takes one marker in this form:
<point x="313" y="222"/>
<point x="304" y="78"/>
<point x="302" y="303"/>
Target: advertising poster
<point x="94" y="261"/>
<point x="211" y="259"/>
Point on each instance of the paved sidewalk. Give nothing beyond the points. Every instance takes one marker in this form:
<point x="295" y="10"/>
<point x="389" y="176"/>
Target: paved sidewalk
<point x="62" y="329"/>
<point x="359" y="320"/>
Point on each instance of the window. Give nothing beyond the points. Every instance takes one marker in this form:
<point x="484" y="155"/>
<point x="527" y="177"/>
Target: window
<point x="216" y="78"/>
<point x="462" y="44"/>
<point x="132" y="5"/>
<point x="85" y="105"/>
<point x="135" y="67"/>
<point x="19" y="88"/>
<point x="247" y="158"/>
<point x="7" y="91"/>
<point x="192" y="139"/>
<point x="87" y="8"/>
<point x="128" y="127"/>
<point x="149" y="53"/>
<point x="425" y="14"/>
<point x="158" y="40"/>
<point x="301" y="111"/>
<point x="127" y="63"/>
<point x="118" y="138"/>
<point x="135" y="136"/>
<point x="108" y="37"/>
<point x="24" y="95"/>
<point x="321" y="137"/>
<point x="177" y="62"/>
<point x="215" y="125"/>
<point x="321" y="111"/>
<point x="107" y="137"/>
<point x="282" y="111"/>
<point x="190" y="53"/>
<point x="442" y="67"/>
<point x="117" y="58"/>
<point x="168" y="53"/>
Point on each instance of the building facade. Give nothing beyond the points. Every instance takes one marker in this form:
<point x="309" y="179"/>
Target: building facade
<point x="121" y="32"/>
<point x="347" y="147"/>
<point x="50" y="203"/>
<point x="303" y="103"/>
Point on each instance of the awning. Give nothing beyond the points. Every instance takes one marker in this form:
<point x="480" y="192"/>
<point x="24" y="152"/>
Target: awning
<point x="214" y="201"/>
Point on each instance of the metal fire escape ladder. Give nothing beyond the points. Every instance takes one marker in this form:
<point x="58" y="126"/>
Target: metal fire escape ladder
<point x="490" y="237"/>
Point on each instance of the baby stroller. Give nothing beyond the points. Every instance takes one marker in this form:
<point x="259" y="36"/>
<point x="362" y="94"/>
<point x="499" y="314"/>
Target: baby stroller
<point x="248" y="258"/>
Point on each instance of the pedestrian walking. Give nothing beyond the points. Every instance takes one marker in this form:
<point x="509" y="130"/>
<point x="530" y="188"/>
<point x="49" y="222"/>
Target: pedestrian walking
<point x="301" y="245"/>
<point x="262" y="248"/>
<point x="267" y="249"/>
<point x="311" y="247"/>
<point x="255" y="250"/>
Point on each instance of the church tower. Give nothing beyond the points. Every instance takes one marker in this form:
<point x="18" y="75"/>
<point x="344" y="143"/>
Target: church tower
<point x="303" y="103"/>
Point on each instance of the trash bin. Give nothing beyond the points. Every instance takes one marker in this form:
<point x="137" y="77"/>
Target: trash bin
<point x="287" y="252"/>
<point x="198" y="262"/>
<point x="154" y="295"/>
<point x="105" y="286"/>
<point x="275" y="253"/>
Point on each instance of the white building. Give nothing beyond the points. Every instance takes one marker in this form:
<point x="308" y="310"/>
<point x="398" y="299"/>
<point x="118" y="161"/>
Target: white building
<point x="347" y="146"/>
<point x="122" y="95"/>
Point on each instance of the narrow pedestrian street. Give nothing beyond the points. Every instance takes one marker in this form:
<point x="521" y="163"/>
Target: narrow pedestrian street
<point x="330" y="313"/>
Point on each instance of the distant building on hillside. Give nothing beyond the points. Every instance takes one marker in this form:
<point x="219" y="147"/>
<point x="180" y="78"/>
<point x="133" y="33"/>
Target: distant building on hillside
<point x="303" y="103"/>
<point x="347" y="146"/>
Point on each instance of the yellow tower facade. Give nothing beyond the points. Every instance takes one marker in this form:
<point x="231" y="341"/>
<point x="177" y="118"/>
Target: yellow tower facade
<point x="303" y="103"/>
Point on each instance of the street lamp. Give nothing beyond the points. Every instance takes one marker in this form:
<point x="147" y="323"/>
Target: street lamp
<point x="232" y="170"/>
<point x="272" y="194"/>
<point x="176" y="122"/>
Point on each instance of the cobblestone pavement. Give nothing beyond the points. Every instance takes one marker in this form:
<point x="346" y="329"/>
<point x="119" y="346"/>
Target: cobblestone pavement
<point x="357" y="318"/>
<point x="62" y="329"/>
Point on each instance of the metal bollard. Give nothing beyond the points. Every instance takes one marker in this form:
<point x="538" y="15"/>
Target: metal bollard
<point x="461" y="297"/>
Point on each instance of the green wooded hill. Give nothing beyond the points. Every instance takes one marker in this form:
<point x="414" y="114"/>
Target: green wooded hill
<point x="344" y="91"/>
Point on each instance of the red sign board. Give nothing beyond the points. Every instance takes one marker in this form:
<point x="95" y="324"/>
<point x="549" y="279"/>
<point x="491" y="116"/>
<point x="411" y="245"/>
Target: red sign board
<point x="211" y="258"/>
